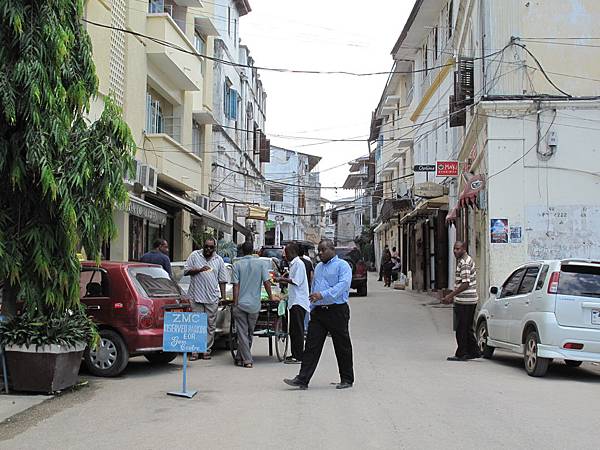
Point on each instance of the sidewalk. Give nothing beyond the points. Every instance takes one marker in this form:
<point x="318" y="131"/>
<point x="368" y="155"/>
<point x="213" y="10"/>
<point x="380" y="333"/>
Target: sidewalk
<point x="10" y="405"/>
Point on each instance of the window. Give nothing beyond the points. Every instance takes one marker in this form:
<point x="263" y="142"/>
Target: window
<point x="301" y="200"/>
<point x="435" y="43"/>
<point x="200" y="43"/>
<point x="580" y="281"/>
<point x="93" y="283"/>
<point x="230" y="101"/>
<point x="450" y="19"/>
<point x="197" y="138"/>
<point x="542" y="277"/>
<point x="528" y="280"/>
<point x="511" y="285"/>
<point x="154" y="115"/>
<point x="153" y="282"/>
<point x="425" y="61"/>
<point x="276" y="194"/>
<point x="156" y="6"/>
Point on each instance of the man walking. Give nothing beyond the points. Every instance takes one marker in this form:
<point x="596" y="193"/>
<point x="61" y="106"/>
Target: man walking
<point x="249" y="274"/>
<point x="465" y="302"/>
<point x="330" y="313"/>
<point x="207" y="285"/>
<point x="159" y="255"/>
<point x="298" y="302"/>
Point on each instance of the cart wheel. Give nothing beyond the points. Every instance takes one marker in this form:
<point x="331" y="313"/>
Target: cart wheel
<point x="233" y="337"/>
<point x="281" y="337"/>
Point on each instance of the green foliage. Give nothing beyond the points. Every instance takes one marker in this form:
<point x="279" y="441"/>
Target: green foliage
<point x="227" y="248"/>
<point x="60" y="177"/>
<point x="67" y="328"/>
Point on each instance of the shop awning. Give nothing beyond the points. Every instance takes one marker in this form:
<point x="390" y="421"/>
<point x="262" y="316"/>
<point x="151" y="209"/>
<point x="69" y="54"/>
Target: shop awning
<point x="258" y="213"/>
<point x="394" y="206"/>
<point x="208" y="218"/>
<point x="242" y="229"/>
<point x="474" y="186"/>
<point x="426" y="208"/>
<point x="141" y="208"/>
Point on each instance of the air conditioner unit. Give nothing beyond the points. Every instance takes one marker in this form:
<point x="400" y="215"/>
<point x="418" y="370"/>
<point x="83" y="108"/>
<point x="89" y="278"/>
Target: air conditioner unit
<point x="148" y="178"/>
<point x="402" y="189"/>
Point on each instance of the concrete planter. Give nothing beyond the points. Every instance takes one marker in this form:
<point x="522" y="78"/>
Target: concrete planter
<point x="48" y="368"/>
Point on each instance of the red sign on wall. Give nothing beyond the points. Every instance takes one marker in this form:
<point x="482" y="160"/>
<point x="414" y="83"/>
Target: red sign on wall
<point x="446" y="169"/>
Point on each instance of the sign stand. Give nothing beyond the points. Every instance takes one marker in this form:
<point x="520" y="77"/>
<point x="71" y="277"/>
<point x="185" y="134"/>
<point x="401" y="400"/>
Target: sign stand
<point x="184" y="392"/>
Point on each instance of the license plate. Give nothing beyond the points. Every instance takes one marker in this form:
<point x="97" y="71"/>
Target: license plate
<point x="595" y="316"/>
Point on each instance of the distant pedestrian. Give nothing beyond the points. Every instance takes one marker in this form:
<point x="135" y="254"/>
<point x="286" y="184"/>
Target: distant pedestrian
<point x="330" y="313"/>
<point x="394" y="253"/>
<point x="249" y="275"/>
<point x="465" y="299"/>
<point x="308" y="265"/>
<point x="208" y="279"/>
<point x="388" y="265"/>
<point x="382" y="260"/>
<point x="159" y="255"/>
<point x="298" y="301"/>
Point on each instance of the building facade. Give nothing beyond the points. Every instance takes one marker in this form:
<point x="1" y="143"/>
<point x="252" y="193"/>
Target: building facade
<point x="294" y="194"/>
<point x="166" y="96"/>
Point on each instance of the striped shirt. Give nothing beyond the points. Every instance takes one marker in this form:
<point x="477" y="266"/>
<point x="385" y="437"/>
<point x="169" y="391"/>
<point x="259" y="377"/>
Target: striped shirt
<point x="204" y="286"/>
<point x="466" y="273"/>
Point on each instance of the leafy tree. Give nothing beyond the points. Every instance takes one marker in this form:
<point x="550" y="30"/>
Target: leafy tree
<point x="60" y="176"/>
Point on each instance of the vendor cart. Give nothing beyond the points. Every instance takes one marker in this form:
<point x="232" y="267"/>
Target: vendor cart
<point x="272" y="323"/>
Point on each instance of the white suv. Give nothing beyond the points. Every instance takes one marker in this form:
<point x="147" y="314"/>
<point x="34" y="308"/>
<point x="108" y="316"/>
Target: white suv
<point x="545" y="310"/>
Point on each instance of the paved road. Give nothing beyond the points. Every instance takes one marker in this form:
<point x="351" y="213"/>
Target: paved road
<point x="406" y="396"/>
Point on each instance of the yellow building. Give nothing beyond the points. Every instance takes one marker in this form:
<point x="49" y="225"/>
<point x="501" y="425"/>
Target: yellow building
<point x="149" y="57"/>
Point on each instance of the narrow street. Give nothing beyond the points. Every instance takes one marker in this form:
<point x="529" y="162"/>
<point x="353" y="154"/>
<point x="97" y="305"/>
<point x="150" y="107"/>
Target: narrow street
<point x="406" y="395"/>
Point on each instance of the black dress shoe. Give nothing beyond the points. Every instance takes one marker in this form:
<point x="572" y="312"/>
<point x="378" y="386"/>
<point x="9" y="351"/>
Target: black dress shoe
<point x="473" y="356"/>
<point x="295" y="382"/>
<point x="456" y="358"/>
<point x="343" y="385"/>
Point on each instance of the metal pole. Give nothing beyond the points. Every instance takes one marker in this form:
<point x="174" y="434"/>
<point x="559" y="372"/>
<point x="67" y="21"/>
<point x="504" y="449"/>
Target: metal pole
<point x="184" y="389"/>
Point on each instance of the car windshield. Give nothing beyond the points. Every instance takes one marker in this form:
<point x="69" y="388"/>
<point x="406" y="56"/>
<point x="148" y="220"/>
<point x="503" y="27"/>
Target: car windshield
<point x="153" y="282"/>
<point x="579" y="280"/>
<point x="273" y="253"/>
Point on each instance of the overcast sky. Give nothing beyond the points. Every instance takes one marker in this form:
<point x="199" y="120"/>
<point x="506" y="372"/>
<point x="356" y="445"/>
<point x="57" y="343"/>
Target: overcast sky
<point x="323" y="35"/>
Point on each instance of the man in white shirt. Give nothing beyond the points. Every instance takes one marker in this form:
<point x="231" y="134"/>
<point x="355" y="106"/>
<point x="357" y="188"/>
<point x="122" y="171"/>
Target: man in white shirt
<point x="298" y="302"/>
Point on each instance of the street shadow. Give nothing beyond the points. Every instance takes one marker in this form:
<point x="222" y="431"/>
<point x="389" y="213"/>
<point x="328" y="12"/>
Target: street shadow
<point x="139" y="367"/>
<point x="558" y="370"/>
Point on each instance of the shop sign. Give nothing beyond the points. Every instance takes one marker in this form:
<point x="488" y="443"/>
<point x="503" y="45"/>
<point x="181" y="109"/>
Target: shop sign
<point x="241" y="211"/>
<point x="429" y="190"/>
<point x="446" y="169"/>
<point x="424" y="168"/>
<point x="146" y="211"/>
<point x="279" y="218"/>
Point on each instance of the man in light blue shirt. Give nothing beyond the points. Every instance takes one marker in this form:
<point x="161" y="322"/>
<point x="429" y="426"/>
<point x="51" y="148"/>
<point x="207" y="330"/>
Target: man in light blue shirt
<point x="249" y="274"/>
<point x="330" y="313"/>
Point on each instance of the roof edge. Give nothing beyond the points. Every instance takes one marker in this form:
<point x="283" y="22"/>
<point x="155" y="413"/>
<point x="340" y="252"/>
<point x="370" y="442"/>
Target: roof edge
<point x="409" y="22"/>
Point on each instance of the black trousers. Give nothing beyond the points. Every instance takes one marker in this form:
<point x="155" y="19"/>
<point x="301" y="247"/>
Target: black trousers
<point x="297" y="314"/>
<point x="332" y="319"/>
<point x="465" y="335"/>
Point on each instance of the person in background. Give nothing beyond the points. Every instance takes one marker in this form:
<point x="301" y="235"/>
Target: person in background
<point x="208" y="279"/>
<point x="394" y="253"/>
<point x="330" y="313"/>
<point x="249" y="274"/>
<point x="159" y="255"/>
<point x="465" y="300"/>
<point x="385" y="251"/>
<point x="307" y="264"/>
<point x="298" y="302"/>
<point x="388" y="265"/>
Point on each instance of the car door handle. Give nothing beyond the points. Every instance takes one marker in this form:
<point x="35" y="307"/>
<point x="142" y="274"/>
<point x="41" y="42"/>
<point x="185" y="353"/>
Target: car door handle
<point x="590" y="305"/>
<point x="506" y="303"/>
<point x="96" y="307"/>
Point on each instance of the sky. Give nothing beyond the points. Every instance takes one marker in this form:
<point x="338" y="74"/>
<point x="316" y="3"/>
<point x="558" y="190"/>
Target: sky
<point x="323" y="35"/>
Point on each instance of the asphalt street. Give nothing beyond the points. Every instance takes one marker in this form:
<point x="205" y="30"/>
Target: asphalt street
<point x="406" y="395"/>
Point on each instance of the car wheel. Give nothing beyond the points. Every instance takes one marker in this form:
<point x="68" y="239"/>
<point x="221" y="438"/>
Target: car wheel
<point x="159" y="358"/>
<point x="572" y="363"/>
<point x="534" y="365"/>
<point x="362" y="290"/>
<point x="110" y="357"/>
<point x="482" y="336"/>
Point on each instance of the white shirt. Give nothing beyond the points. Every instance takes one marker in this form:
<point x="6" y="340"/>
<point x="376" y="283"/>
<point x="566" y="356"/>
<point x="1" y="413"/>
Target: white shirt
<point x="298" y="292"/>
<point x="204" y="286"/>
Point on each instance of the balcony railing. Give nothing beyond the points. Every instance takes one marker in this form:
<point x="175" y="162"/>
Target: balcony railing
<point x="165" y="125"/>
<point x="158" y="7"/>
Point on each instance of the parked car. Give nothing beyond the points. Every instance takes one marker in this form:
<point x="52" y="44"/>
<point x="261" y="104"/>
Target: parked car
<point x="127" y="301"/>
<point x="274" y="252"/>
<point x="353" y="256"/>
<point x="545" y="310"/>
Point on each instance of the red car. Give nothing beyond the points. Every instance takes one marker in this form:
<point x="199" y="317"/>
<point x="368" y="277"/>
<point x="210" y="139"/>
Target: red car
<point x="127" y="301"/>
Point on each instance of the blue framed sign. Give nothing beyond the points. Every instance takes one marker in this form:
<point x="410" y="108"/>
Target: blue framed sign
<point x="185" y="332"/>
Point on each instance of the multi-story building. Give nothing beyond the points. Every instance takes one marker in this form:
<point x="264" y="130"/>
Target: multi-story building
<point x="473" y="89"/>
<point x="166" y="96"/>
<point x="239" y="143"/>
<point x="294" y="195"/>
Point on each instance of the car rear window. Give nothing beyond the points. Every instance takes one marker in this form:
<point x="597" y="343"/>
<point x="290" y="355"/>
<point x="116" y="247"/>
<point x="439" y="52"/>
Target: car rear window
<point x="153" y="282"/>
<point x="579" y="280"/>
<point x="272" y="253"/>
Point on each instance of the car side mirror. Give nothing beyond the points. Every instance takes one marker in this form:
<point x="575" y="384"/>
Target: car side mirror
<point x="494" y="290"/>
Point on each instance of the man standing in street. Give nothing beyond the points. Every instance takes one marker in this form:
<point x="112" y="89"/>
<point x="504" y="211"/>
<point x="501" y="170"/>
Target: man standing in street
<point x="464" y="296"/>
<point x="298" y="302"/>
<point x="207" y="285"/>
<point x="159" y="255"/>
<point x="330" y="313"/>
<point x="249" y="275"/>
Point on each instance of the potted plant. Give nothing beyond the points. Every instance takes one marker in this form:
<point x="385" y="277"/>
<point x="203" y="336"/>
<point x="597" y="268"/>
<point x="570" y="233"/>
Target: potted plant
<point x="60" y="179"/>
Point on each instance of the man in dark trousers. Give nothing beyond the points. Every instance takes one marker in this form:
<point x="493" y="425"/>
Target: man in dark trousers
<point x="465" y="299"/>
<point x="159" y="255"/>
<point x="330" y="313"/>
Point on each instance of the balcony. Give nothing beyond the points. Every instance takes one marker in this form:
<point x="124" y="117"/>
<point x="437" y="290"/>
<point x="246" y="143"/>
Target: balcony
<point x="176" y="166"/>
<point x="201" y="111"/>
<point x="182" y="69"/>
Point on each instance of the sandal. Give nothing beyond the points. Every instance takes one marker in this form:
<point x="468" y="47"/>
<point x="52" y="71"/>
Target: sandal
<point x="248" y="365"/>
<point x="206" y="356"/>
<point x="193" y="357"/>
